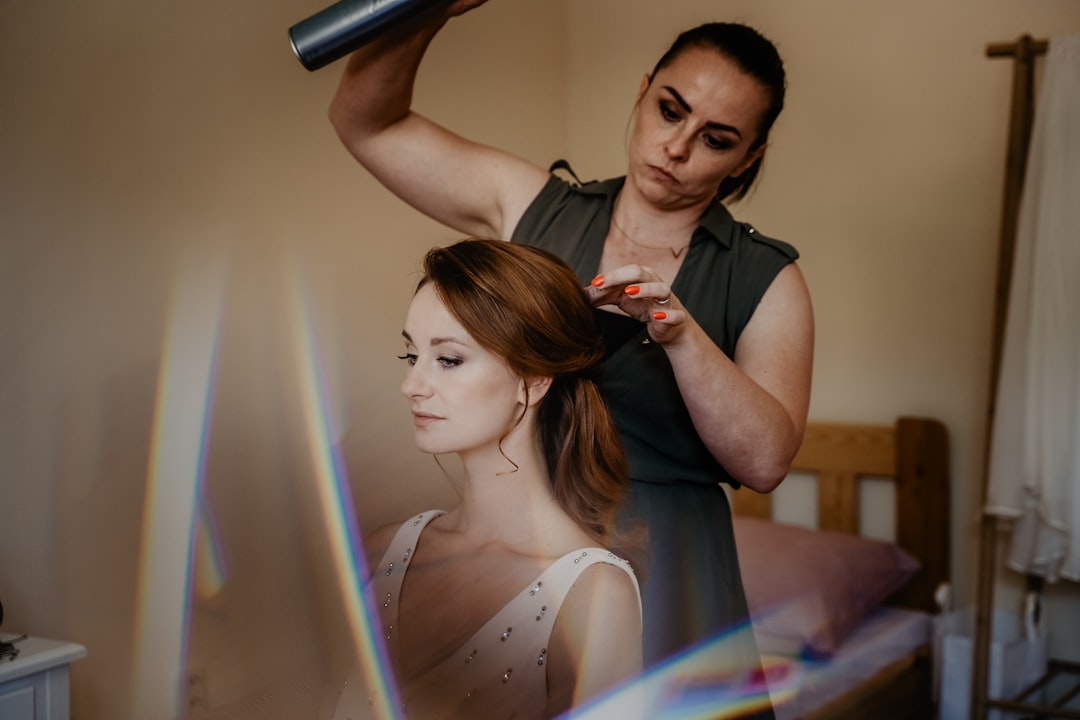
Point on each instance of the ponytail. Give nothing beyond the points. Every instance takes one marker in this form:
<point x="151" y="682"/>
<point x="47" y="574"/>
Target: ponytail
<point x="584" y="455"/>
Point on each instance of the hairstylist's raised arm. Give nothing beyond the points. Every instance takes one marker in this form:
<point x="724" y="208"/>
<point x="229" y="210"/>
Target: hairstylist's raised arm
<point x="473" y="188"/>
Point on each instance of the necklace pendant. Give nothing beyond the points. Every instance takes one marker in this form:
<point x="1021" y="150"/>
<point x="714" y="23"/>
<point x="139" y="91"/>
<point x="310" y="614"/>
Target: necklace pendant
<point x="676" y="253"/>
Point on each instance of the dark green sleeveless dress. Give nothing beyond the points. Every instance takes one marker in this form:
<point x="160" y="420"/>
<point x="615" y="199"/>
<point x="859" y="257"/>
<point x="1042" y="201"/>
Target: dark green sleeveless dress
<point x="692" y="591"/>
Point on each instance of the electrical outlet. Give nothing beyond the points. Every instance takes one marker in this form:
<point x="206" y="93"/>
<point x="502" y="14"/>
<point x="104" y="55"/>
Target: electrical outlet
<point x="195" y="691"/>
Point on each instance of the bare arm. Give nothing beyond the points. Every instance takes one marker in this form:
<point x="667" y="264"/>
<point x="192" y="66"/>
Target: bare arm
<point x="473" y="188"/>
<point x="750" y="412"/>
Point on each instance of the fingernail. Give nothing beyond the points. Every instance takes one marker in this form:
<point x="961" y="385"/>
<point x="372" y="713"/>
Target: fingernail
<point x="632" y="289"/>
<point x="598" y="281"/>
<point x="659" y="315"/>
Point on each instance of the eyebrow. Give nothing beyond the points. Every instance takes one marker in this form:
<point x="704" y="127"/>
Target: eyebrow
<point x="708" y="123"/>
<point x="435" y="341"/>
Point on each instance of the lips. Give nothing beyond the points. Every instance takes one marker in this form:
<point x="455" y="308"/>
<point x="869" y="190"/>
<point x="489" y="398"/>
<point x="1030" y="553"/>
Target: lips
<point x="423" y="419"/>
<point x="663" y="175"/>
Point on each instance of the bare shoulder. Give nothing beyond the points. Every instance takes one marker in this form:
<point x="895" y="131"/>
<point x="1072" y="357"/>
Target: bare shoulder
<point x="787" y="295"/>
<point x="377" y="542"/>
<point x="777" y="347"/>
<point x="608" y="585"/>
<point x="596" y="640"/>
<point x="781" y="330"/>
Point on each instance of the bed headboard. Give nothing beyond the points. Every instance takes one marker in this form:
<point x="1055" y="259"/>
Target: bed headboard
<point x="914" y="453"/>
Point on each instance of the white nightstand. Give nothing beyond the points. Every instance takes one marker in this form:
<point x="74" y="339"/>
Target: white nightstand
<point x="34" y="686"/>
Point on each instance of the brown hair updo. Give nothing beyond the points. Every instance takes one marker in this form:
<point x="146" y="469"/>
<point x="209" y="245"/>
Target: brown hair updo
<point x="526" y="306"/>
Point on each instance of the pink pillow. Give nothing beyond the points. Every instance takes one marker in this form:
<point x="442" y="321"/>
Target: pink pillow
<point x="808" y="589"/>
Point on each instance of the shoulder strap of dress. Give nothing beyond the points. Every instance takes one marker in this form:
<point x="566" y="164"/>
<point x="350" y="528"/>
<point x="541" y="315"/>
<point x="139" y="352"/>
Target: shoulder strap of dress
<point x="564" y="165"/>
<point x="384" y="586"/>
<point x="786" y="249"/>
<point x="565" y="571"/>
<point x="401" y="547"/>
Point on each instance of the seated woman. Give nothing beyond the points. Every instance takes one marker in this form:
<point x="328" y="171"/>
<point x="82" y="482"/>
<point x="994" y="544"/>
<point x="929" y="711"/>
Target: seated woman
<point x="509" y="605"/>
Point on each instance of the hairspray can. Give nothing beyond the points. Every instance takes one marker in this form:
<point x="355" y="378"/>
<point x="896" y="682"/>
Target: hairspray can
<point x="346" y="25"/>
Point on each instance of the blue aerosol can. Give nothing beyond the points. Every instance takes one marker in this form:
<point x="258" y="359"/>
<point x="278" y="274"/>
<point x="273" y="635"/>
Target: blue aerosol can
<point x="346" y="25"/>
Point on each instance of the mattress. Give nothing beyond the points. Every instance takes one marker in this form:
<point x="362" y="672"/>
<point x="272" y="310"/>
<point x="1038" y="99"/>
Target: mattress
<point x="885" y="636"/>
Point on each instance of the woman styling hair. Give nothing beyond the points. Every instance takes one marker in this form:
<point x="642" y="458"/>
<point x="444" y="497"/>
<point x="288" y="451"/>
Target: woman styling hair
<point x="508" y="605"/>
<point x="711" y="337"/>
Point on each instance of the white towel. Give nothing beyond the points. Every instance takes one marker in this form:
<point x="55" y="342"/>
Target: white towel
<point x="1034" y="473"/>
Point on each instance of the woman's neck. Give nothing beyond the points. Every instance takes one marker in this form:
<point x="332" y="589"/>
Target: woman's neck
<point x="635" y="216"/>
<point x="513" y="507"/>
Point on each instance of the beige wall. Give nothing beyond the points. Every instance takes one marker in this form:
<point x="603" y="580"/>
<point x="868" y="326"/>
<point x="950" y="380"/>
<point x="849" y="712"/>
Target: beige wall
<point x="137" y="140"/>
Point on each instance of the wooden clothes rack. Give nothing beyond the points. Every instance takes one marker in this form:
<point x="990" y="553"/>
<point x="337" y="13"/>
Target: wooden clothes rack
<point x="1021" y="119"/>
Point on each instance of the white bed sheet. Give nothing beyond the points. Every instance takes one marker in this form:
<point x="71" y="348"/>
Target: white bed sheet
<point x="884" y="637"/>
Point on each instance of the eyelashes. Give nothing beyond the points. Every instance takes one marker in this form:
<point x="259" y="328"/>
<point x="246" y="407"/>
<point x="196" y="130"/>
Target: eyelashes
<point x="668" y="112"/>
<point x="444" y="361"/>
<point x="671" y="113"/>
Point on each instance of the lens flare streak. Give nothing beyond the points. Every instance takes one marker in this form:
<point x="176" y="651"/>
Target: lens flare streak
<point x="339" y="518"/>
<point x="177" y="464"/>
<point x="697" y="685"/>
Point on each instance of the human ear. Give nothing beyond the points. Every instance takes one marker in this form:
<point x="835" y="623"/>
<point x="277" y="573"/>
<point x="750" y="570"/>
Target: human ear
<point x="751" y="157"/>
<point x="537" y="389"/>
<point x="645" y="80"/>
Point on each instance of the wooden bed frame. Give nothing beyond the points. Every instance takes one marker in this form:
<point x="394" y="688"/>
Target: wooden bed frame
<point x="914" y="454"/>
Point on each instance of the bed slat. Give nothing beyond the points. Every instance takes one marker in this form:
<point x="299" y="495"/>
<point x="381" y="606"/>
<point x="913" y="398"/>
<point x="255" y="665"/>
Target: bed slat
<point x="838" y="501"/>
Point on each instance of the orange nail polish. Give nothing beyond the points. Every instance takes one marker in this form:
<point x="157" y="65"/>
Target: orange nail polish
<point x="659" y="315"/>
<point x="632" y="289"/>
<point x="598" y="281"/>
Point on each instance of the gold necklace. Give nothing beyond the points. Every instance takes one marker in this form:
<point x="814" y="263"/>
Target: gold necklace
<point x="675" y="252"/>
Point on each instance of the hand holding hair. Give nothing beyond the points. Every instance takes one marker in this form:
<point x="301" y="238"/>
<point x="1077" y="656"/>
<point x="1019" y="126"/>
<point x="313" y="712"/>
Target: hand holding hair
<point x="641" y="294"/>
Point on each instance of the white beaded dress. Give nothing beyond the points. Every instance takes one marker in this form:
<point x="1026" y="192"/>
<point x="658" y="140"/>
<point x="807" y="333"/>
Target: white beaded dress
<point x="501" y="672"/>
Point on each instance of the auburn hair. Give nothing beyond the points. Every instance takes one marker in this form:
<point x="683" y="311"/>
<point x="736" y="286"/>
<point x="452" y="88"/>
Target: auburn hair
<point x="526" y="306"/>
